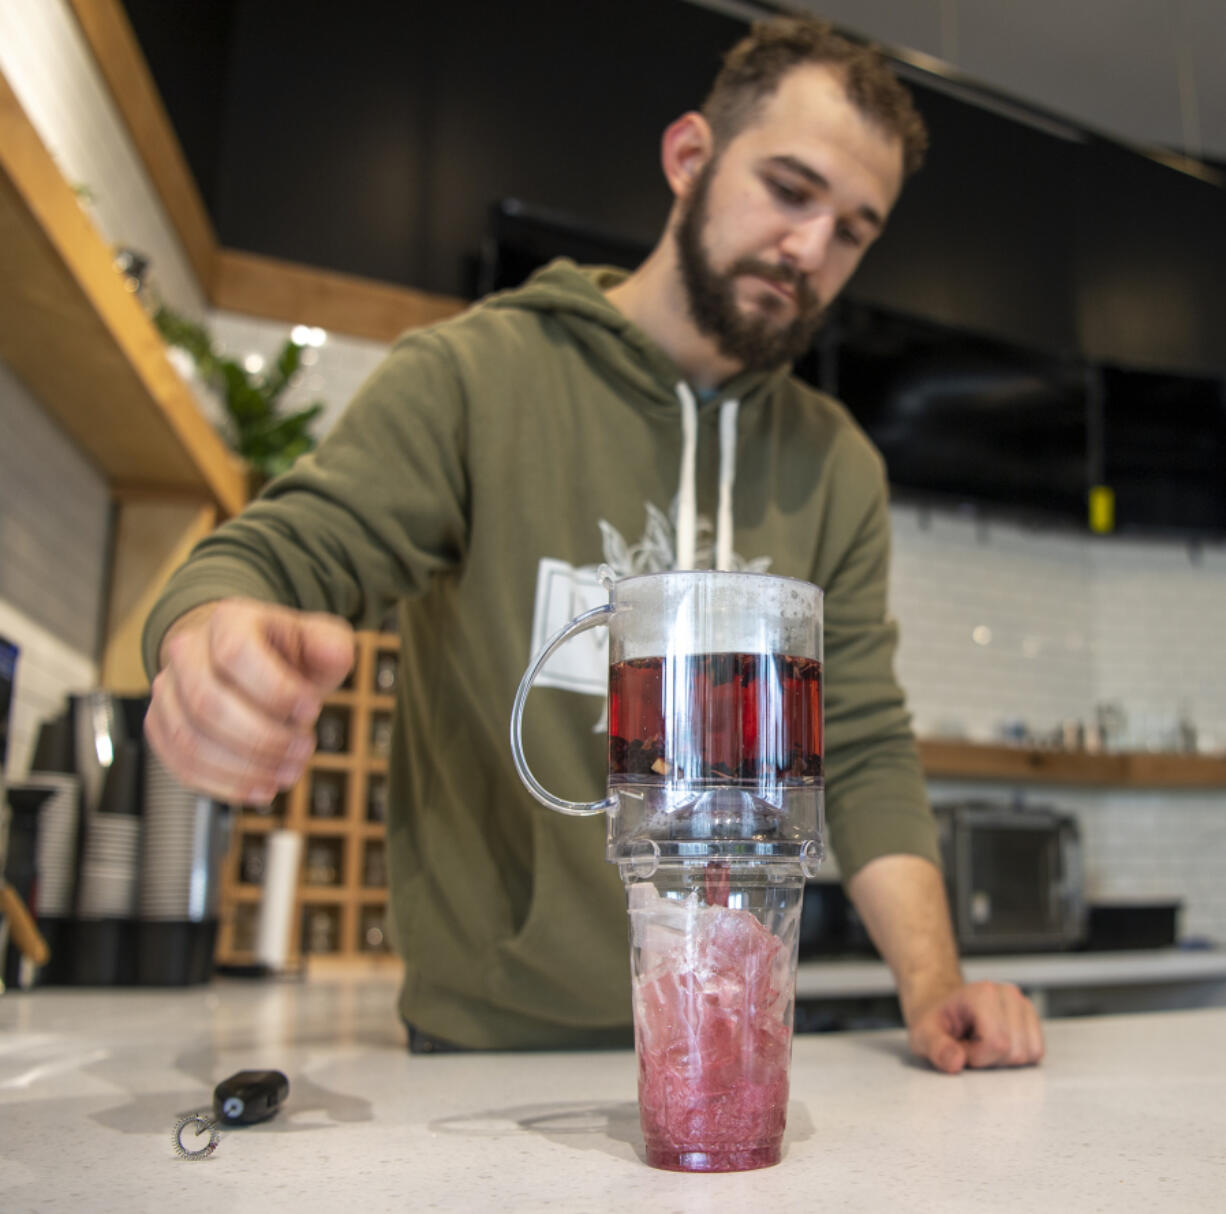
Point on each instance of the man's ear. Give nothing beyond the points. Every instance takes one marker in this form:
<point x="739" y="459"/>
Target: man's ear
<point x="685" y="149"/>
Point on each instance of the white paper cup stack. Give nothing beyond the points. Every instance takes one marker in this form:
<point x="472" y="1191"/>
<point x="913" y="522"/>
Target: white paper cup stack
<point x="182" y="852"/>
<point x="110" y="867"/>
<point x="57" y="843"/>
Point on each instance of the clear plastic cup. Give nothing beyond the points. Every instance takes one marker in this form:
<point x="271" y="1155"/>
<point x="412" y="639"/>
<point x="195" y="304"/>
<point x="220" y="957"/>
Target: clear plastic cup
<point x="713" y="964"/>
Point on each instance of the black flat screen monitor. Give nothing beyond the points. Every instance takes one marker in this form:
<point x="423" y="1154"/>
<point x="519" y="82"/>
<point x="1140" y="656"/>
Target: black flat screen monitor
<point x="521" y="238"/>
<point x="1164" y="450"/>
<point x="961" y="416"/>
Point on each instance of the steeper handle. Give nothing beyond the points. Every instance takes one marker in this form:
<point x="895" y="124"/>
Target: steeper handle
<point x="581" y="623"/>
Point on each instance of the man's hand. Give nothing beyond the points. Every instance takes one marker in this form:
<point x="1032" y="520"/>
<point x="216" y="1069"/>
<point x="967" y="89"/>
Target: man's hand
<point x="982" y="1024"/>
<point x="953" y="1024"/>
<point x="240" y="687"/>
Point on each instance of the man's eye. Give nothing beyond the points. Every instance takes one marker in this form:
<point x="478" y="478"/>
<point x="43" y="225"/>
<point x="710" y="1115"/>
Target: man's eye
<point x="849" y="236"/>
<point x="786" y="193"/>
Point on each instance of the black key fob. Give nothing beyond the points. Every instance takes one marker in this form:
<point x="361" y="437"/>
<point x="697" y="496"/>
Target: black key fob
<point x="249" y="1096"/>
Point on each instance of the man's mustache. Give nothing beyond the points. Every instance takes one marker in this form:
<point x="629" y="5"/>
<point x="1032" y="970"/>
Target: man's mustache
<point x="788" y="276"/>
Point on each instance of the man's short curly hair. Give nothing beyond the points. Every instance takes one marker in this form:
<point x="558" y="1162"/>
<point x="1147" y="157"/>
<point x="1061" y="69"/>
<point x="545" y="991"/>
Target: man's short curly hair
<point x="755" y="67"/>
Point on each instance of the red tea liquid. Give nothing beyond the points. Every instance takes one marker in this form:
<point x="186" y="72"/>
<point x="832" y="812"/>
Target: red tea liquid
<point x="750" y="719"/>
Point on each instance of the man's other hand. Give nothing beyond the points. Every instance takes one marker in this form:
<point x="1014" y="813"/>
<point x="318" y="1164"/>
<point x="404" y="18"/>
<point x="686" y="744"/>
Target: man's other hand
<point x="982" y="1024"/>
<point x="240" y="687"/>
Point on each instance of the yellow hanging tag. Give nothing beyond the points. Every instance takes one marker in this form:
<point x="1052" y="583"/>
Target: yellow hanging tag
<point x="1102" y="509"/>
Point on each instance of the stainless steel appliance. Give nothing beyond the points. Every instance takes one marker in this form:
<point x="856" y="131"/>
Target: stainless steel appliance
<point x="1014" y="877"/>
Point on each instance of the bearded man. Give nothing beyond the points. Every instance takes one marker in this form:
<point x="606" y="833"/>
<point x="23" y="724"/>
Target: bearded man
<point x="478" y="479"/>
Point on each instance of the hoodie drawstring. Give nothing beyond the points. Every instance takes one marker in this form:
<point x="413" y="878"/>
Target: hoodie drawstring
<point x="727" y="478"/>
<point x="687" y="488"/>
<point x="687" y="481"/>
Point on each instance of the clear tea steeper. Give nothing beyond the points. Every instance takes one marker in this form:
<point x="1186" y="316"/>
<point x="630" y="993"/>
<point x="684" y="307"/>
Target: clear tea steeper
<point x="715" y="718"/>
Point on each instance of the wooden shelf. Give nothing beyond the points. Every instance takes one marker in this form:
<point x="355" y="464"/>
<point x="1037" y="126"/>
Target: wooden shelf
<point x="364" y="963"/>
<point x="944" y="759"/>
<point x="331" y="760"/>
<point x="322" y="895"/>
<point x="83" y="344"/>
<point x="252" y="822"/>
<point x="340" y="825"/>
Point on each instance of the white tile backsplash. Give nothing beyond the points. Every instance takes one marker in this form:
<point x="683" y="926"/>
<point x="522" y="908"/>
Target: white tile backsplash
<point x="54" y="524"/>
<point x="995" y="621"/>
<point x="1076" y="621"/>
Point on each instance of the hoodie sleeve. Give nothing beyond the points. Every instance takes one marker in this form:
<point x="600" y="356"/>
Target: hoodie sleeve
<point x="876" y="798"/>
<point x="366" y="519"/>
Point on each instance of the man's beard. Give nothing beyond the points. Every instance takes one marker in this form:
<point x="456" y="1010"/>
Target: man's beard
<point x="753" y="341"/>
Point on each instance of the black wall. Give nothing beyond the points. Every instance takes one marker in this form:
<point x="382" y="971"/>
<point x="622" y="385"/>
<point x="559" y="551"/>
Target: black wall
<point x="372" y="137"/>
<point x="376" y="137"/>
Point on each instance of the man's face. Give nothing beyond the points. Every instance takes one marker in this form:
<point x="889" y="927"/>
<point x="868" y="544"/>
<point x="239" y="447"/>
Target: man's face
<point x="777" y="221"/>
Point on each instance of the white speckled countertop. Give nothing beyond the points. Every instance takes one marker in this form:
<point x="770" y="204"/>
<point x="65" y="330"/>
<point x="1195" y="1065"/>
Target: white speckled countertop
<point x="1127" y="1113"/>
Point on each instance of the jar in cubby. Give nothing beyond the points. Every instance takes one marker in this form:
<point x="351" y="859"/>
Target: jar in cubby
<point x="327" y="794"/>
<point x="245" y="918"/>
<point x="374" y="865"/>
<point x="332" y="730"/>
<point x="321" y="929"/>
<point x="251" y="859"/>
<point x="381" y="734"/>
<point x="387" y="667"/>
<point x="372" y="930"/>
<point x="376" y="799"/>
<point x="324" y="862"/>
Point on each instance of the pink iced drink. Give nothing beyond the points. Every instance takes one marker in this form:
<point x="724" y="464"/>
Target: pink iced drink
<point x="712" y="1008"/>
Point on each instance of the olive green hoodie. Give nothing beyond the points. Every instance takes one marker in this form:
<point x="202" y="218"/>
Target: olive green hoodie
<point x="478" y="479"/>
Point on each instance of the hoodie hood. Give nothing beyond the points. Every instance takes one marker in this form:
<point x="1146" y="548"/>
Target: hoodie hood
<point x="575" y="297"/>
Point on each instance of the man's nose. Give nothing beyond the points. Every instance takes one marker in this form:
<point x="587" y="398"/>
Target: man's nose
<point x="807" y="243"/>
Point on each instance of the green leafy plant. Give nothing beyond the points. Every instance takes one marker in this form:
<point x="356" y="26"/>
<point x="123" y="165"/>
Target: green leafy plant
<point x="269" y="440"/>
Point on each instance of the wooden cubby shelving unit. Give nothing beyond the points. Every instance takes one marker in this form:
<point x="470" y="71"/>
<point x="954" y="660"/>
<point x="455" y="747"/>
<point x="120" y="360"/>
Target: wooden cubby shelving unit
<point x="338" y="806"/>
<point x="332" y="807"/>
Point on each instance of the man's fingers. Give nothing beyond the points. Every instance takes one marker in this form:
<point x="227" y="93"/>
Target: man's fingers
<point x="327" y="650"/>
<point x="1016" y="1006"/>
<point x="983" y="1024"/>
<point x="317" y="645"/>
<point x="200" y="763"/>
<point x="946" y="1054"/>
<point x="935" y="1037"/>
<point x="223" y="715"/>
<point x="1004" y="1029"/>
<point x="255" y="648"/>
<point x="1030" y="1034"/>
<point x="234" y="707"/>
<point x="1034" y="1035"/>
